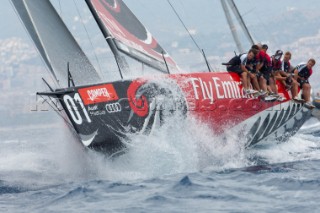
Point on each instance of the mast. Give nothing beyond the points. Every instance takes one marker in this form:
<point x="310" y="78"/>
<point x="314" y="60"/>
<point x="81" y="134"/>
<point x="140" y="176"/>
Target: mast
<point x="240" y="20"/>
<point x="232" y="26"/>
<point x="121" y="61"/>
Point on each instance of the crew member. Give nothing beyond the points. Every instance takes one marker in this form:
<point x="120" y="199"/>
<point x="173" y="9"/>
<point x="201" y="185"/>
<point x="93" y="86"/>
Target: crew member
<point x="264" y="67"/>
<point x="302" y="74"/>
<point x="276" y="67"/>
<point x="252" y="64"/>
<point x="285" y="75"/>
<point x="239" y="65"/>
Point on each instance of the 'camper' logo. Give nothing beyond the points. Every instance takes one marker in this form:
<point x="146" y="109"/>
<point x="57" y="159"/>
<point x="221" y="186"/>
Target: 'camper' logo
<point x="98" y="94"/>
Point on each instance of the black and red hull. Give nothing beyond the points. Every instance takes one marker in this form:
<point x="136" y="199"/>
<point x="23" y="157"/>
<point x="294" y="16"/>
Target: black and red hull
<point x="104" y="114"/>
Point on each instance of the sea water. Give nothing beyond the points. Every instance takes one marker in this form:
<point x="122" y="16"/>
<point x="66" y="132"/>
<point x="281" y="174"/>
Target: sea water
<point x="182" y="167"/>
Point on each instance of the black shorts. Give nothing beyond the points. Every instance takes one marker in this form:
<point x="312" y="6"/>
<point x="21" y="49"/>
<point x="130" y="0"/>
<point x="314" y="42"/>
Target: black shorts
<point x="302" y="82"/>
<point x="251" y="70"/>
<point x="265" y="75"/>
<point x="235" y="68"/>
<point x="289" y="80"/>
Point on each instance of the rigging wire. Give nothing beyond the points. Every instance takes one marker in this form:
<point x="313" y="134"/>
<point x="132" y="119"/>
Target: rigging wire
<point x="261" y="24"/>
<point x="56" y="109"/>
<point x="185" y="27"/>
<point x="96" y="57"/>
<point x="185" y="13"/>
<point x="194" y="41"/>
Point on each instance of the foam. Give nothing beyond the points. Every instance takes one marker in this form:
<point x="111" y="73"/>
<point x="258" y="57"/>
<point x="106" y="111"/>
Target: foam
<point x="179" y="146"/>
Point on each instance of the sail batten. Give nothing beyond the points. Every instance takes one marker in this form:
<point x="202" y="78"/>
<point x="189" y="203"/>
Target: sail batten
<point x="55" y="43"/>
<point x="128" y="34"/>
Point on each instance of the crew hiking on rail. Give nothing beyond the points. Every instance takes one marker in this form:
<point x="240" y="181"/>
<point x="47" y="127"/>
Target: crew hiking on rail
<point x="259" y="73"/>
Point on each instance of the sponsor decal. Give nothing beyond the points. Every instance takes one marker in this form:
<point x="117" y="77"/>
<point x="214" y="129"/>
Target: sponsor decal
<point x="98" y="94"/>
<point x="93" y="108"/>
<point x="113" y="108"/>
<point x="97" y="113"/>
<point x="96" y="110"/>
<point x="210" y="89"/>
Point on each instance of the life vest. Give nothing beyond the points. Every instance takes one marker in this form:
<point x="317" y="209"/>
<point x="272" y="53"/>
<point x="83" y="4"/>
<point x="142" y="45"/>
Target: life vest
<point x="303" y="71"/>
<point x="276" y="64"/>
<point x="285" y="66"/>
<point x="264" y="58"/>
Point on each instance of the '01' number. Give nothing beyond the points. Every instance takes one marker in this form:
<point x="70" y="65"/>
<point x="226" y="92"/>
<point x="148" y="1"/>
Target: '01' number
<point x="73" y="108"/>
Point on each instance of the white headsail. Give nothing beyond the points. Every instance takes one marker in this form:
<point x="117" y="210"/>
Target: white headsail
<point x="55" y="43"/>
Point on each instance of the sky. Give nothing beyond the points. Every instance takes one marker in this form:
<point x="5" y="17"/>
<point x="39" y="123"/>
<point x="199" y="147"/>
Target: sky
<point x="268" y="21"/>
<point x="205" y="15"/>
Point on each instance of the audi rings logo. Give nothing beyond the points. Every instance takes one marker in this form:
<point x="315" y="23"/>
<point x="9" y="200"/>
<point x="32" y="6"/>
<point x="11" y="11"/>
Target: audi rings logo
<point x="113" y="108"/>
